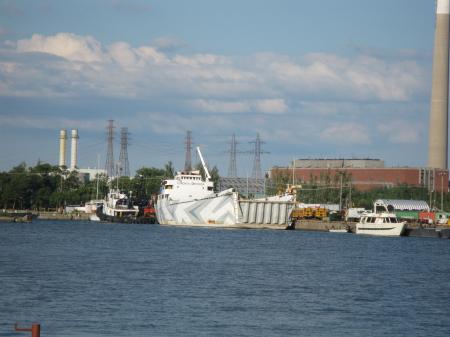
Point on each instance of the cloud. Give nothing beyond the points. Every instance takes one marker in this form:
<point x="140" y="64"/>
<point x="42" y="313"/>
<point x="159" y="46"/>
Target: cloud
<point x="400" y="132"/>
<point x="67" y="45"/>
<point x="268" y="106"/>
<point x="271" y="106"/>
<point x="346" y="133"/>
<point x="122" y="70"/>
<point x="48" y="122"/>
<point x="168" y="43"/>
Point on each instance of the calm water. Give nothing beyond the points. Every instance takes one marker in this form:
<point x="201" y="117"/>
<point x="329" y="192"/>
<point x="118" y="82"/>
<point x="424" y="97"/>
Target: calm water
<point x="86" y="279"/>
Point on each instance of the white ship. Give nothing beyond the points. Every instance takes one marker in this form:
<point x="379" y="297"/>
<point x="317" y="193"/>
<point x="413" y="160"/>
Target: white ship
<point x="380" y="224"/>
<point x="189" y="200"/>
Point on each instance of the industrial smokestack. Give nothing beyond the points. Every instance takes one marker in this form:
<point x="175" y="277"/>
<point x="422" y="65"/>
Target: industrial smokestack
<point x="438" y="132"/>
<point x="62" y="147"/>
<point x="73" y="159"/>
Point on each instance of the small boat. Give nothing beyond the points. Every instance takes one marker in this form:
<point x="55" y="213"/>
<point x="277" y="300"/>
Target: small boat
<point x="380" y="224"/>
<point x="340" y="230"/>
<point x="117" y="207"/>
<point x="94" y="217"/>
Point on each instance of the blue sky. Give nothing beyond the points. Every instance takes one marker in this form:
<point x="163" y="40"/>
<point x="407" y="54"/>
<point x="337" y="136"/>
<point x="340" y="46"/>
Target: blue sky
<point x="315" y="78"/>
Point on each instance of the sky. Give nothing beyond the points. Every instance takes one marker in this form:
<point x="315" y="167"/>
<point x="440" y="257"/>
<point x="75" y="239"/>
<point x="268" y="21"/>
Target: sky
<point x="316" y="79"/>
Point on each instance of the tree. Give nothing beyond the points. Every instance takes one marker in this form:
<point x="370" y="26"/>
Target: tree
<point x="169" y="171"/>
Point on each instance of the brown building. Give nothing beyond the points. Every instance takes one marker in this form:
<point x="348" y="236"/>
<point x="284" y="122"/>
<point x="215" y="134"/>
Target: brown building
<point x="364" y="178"/>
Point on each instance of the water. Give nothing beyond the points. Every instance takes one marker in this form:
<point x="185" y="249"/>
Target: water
<point x="88" y="279"/>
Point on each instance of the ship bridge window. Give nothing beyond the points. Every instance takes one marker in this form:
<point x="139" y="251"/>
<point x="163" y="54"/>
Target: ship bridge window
<point x="169" y="187"/>
<point x="393" y="220"/>
<point x="210" y="188"/>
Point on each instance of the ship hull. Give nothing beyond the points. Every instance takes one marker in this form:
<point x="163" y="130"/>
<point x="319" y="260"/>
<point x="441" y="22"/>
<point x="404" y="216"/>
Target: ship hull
<point x="393" y="229"/>
<point x="216" y="211"/>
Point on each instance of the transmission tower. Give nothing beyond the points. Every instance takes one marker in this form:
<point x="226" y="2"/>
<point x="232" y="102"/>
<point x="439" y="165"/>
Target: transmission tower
<point x="109" y="166"/>
<point x="257" y="173"/>
<point x="188" y="160"/>
<point x="232" y="171"/>
<point x="124" y="166"/>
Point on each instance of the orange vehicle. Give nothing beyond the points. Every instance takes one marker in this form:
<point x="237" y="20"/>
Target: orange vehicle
<point x="427" y="217"/>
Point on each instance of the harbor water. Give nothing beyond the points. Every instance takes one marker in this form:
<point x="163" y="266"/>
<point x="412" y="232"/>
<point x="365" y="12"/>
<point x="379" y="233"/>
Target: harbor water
<point x="94" y="279"/>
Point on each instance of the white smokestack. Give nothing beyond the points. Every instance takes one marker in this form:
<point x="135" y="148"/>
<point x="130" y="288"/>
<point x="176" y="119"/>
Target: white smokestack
<point x="438" y="129"/>
<point x="74" y="154"/>
<point x="443" y="7"/>
<point x="62" y="147"/>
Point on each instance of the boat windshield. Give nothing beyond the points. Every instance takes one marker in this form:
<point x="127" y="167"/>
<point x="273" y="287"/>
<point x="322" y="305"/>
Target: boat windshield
<point x="393" y="220"/>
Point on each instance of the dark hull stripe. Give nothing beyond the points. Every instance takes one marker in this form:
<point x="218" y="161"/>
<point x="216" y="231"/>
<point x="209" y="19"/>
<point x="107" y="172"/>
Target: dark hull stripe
<point x="374" y="229"/>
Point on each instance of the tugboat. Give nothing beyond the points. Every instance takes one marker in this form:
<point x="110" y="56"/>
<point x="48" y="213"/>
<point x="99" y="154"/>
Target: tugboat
<point x="117" y="207"/>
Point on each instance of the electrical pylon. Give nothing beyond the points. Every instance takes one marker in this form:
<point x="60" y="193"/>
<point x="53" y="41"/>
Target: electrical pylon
<point x="109" y="165"/>
<point x="124" y="165"/>
<point x="188" y="160"/>
<point x="232" y="170"/>
<point x="257" y="173"/>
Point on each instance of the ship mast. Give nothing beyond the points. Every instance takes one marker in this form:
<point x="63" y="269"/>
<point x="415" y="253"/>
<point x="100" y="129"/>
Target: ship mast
<point x="208" y="176"/>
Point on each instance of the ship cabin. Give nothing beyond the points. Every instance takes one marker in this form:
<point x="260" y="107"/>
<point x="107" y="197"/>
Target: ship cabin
<point x="186" y="186"/>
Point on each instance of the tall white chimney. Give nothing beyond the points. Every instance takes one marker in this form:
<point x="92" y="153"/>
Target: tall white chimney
<point x="438" y="129"/>
<point x="62" y="147"/>
<point x="74" y="154"/>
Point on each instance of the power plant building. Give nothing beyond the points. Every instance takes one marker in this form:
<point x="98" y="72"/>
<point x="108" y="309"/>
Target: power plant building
<point x="364" y="174"/>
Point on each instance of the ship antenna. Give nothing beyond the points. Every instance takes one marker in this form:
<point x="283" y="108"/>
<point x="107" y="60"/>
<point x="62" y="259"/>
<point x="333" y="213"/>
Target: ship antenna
<point x="208" y="177"/>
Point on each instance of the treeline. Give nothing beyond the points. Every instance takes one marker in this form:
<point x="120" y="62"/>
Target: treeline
<point x="45" y="186"/>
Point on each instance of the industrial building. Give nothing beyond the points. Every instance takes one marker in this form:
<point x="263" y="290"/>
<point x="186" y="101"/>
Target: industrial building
<point x="363" y="174"/>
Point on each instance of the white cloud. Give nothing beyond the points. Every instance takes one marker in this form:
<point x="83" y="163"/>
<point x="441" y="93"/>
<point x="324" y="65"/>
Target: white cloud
<point x="145" y="71"/>
<point x="168" y="43"/>
<point x="400" y="132"/>
<point x="271" y="106"/>
<point x="220" y="106"/>
<point x="267" y="106"/>
<point x="67" y="45"/>
<point x="346" y="133"/>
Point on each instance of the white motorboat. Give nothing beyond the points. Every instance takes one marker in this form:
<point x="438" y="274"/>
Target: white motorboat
<point x="339" y="230"/>
<point x="380" y="224"/>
